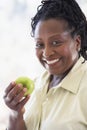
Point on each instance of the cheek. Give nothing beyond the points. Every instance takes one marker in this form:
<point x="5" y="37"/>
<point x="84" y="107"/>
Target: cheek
<point x="39" y="57"/>
<point x="71" y="54"/>
<point x="38" y="54"/>
<point x="74" y="52"/>
<point x="65" y="51"/>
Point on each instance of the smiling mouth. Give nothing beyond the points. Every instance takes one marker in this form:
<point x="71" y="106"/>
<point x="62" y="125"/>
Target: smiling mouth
<point x="51" y="61"/>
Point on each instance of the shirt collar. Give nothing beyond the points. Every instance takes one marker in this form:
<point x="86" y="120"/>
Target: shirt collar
<point x="71" y="82"/>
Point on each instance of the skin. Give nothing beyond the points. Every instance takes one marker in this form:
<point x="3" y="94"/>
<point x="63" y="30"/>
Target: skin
<point x="15" y="100"/>
<point x="54" y="42"/>
<point x="57" y="51"/>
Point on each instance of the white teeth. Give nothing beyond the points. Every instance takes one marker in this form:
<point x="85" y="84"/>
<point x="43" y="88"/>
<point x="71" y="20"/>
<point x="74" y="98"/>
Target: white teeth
<point x="52" y="61"/>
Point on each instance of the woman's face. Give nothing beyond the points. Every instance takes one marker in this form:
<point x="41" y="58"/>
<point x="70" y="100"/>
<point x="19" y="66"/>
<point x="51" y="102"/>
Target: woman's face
<point x="56" y="50"/>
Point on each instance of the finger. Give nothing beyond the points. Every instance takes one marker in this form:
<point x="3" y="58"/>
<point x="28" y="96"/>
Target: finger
<point x="14" y="92"/>
<point x="11" y="85"/>
<point x="19" y="106"/>
<point x="23" y="102"/>
<point x="18" y="98"/>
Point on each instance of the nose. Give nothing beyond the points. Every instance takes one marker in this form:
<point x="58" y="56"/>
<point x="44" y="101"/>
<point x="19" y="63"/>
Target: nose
<point x="47" y="52"/>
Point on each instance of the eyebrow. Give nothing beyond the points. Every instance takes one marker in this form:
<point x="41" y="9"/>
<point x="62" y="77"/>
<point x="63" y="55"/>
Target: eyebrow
<point x="59" y="34"/>
<point x="54" y="35"/>
<point x="49" y="36"/>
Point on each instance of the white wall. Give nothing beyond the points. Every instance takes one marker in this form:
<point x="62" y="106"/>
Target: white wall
<point x="16" y="45"/>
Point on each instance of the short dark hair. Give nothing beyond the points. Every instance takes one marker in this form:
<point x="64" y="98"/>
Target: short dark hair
<point x="68" y="10"/>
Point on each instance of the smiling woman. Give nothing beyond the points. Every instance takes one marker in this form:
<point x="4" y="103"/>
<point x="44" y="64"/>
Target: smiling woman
<point x="55" y="48"/>
<point x="58" y="101"/>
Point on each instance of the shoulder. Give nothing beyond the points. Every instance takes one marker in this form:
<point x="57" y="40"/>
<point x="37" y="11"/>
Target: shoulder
<point x="82" y="92"/>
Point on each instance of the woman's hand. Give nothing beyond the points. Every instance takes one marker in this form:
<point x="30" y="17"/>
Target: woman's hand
<point x="15" y="100"/>
<point x="14" y="97"/>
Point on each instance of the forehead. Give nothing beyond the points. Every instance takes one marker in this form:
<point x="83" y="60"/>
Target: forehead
<point x="51" y="26"/>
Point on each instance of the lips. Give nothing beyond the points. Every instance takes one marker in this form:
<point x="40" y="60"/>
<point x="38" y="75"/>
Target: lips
<point x="50" y="62"/>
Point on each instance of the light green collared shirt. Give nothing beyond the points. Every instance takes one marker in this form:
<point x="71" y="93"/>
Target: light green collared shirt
<point x="64" y="107"/>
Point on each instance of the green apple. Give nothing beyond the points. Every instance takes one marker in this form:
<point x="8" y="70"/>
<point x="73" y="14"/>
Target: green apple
<point x="26" y="82"/>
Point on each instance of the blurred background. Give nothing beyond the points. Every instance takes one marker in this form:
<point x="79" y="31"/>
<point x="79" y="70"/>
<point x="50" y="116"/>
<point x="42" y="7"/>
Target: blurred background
<point x="17" y="54"/>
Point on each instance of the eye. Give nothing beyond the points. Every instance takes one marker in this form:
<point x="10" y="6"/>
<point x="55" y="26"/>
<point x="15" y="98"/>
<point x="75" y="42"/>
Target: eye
<point x="56" y="43"/>
<point x="39" y="45"/>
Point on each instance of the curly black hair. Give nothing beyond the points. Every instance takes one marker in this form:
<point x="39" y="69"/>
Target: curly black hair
<point x="68" y="10"/>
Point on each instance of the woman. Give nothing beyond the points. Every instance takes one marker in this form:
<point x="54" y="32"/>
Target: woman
<point x="59" y="99"/>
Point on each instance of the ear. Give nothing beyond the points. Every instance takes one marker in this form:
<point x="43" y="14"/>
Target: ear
<point x="78" y="42"/>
